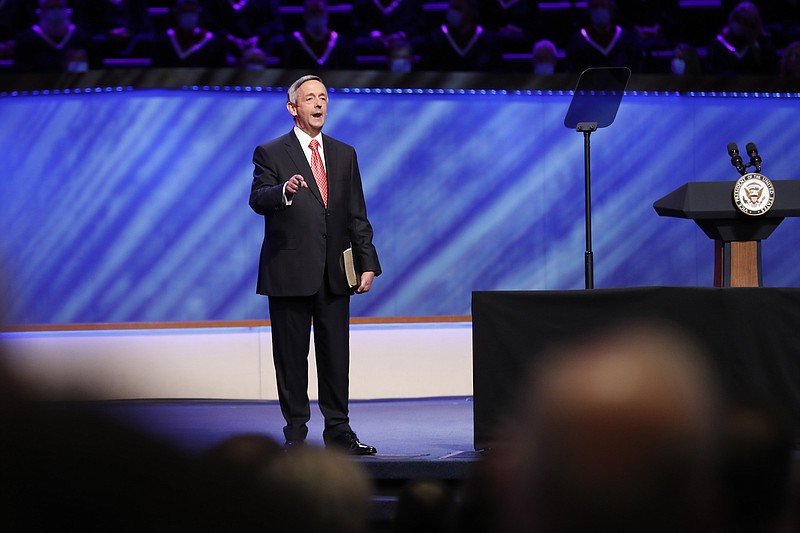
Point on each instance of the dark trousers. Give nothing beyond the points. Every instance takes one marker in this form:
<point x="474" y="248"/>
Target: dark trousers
<point x="291" y="319"/>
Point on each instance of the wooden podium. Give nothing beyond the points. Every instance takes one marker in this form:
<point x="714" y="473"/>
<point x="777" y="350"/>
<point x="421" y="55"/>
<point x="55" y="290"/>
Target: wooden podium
<point x="737" y="236"/>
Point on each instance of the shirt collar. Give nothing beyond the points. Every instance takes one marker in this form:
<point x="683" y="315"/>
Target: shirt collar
<point x="305" y="138"/>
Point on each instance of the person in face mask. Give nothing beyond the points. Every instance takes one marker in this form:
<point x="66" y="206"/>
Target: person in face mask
<point x="685" y="61"/>
<point x="544" y="58"/>
<point x="316" y="45"/>
<point x="601" y="42"/>
<point x="45" y="45"/>
<point x="742" y="46"/>
<point x="187" y="43"/>
<point x="400" y="57"/>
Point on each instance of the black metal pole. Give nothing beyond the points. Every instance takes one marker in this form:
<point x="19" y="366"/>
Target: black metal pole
<point x="587" y="128"/>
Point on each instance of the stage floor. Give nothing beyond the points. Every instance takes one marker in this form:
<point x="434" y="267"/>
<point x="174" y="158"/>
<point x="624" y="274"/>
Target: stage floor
<point x="430" y="437"/>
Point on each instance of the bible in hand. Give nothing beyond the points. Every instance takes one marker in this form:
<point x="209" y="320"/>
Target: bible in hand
<point x="350" y="268"/>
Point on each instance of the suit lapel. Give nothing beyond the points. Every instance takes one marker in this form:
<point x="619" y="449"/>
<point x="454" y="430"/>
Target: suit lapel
<point x="295" y="152"/>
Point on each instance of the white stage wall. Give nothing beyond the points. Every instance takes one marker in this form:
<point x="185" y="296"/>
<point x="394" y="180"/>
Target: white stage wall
<point x="387" y="361"/>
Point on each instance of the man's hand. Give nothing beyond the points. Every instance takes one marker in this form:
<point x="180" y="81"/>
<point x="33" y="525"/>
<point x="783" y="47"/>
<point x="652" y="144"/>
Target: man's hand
<point x="365" y="282"/>
<point x="294" y="184"/>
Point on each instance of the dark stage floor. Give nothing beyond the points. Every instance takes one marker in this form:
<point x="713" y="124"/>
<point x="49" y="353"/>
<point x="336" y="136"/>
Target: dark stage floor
<point x="415" y="438"/>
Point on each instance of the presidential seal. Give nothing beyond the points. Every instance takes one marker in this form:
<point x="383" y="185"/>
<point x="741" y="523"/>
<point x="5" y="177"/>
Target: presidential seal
<point x="753" y="194"/>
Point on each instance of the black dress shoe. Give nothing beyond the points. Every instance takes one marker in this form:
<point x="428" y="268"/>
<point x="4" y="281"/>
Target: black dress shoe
<point x="348" y="442"/>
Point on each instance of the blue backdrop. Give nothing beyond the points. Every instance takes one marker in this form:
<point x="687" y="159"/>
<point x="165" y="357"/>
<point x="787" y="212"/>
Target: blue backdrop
<point x="132" y="205"/>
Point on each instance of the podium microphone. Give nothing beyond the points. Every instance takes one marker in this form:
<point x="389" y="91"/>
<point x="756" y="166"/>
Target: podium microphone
<point x="755" y="159"/>
<point x="736" y="159"/>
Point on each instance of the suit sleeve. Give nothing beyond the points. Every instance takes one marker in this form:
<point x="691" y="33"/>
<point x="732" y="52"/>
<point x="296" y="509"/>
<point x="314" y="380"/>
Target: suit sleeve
<point x="266" y="193"/>
<point x="360" y="228"/>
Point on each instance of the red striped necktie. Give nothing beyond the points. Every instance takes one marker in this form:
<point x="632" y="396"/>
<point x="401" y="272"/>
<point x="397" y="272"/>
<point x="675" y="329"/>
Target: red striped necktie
<point x="319" y="171"/>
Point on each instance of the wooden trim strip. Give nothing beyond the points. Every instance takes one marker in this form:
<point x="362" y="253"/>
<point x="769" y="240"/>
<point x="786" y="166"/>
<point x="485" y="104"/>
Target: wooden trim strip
<point x="115" y="326"/>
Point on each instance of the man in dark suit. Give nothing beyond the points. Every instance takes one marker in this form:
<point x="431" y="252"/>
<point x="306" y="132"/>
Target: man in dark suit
<point x="308" y="187"/>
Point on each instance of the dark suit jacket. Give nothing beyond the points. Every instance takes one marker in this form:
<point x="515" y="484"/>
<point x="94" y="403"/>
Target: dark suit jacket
<point x="303" y="242"/>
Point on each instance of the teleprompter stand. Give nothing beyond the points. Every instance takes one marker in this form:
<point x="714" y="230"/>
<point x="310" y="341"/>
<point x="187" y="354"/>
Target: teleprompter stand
<point x="594" y="105"/>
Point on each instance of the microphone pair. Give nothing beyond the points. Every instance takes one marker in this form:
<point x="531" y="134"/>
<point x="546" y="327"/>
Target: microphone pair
<point x="736" y="159"/>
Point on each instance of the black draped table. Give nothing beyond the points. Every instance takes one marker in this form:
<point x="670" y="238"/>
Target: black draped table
<point x="751" y="334"/>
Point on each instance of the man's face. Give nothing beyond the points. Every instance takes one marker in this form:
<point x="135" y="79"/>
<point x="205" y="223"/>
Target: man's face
<point x="311" y="108"/>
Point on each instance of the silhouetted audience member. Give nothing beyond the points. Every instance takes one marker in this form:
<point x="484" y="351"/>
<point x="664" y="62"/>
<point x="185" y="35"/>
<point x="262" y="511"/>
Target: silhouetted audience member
<point x="377" y="22"/>
<point x="742" y="47"/>
<point x="424" y="505"/>
<point x="65" y="467"/>
<point x="515" y="23"/>
<point x="311" y="490"/>
<point x="316" y="45"/>
<point x="55" y="43"/>
<point x="602" y="42"/>
<point x="119" y="28"/>
<point x="755" y="468"/>
<point x="461" y="44"/>
<point x="187" y="43"/>
<point x="244" y="24"/>
<point x="544" y="57"/>
<point x="615" y="433"/>
<point x="790" y="61"/>
<point x="237" y="464"/>
<point x="685" y="61"/>
<point x="246" y="454"/>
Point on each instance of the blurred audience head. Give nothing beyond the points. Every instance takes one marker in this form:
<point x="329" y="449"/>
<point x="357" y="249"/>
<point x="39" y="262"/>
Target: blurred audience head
<point x="545" y="57"/>
<point x="615" y="433"/>
<point x="754" y="473"/>
<point x="244" y="453"/>
<point x="315" y="489"/>
<point x="423" y="506"/>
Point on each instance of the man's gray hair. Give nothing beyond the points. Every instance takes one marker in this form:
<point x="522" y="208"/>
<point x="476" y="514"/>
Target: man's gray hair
<point x="291" y="95"/>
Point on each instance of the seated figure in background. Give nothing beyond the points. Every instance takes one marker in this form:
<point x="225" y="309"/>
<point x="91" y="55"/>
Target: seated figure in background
<point x="54" y="44"/>
<point x="316" y="45"/>
<point x="742" y="46"/>
<point x="187" y="44"/>
<point x="604" y="43"/>
<point x="461" y="44"/>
